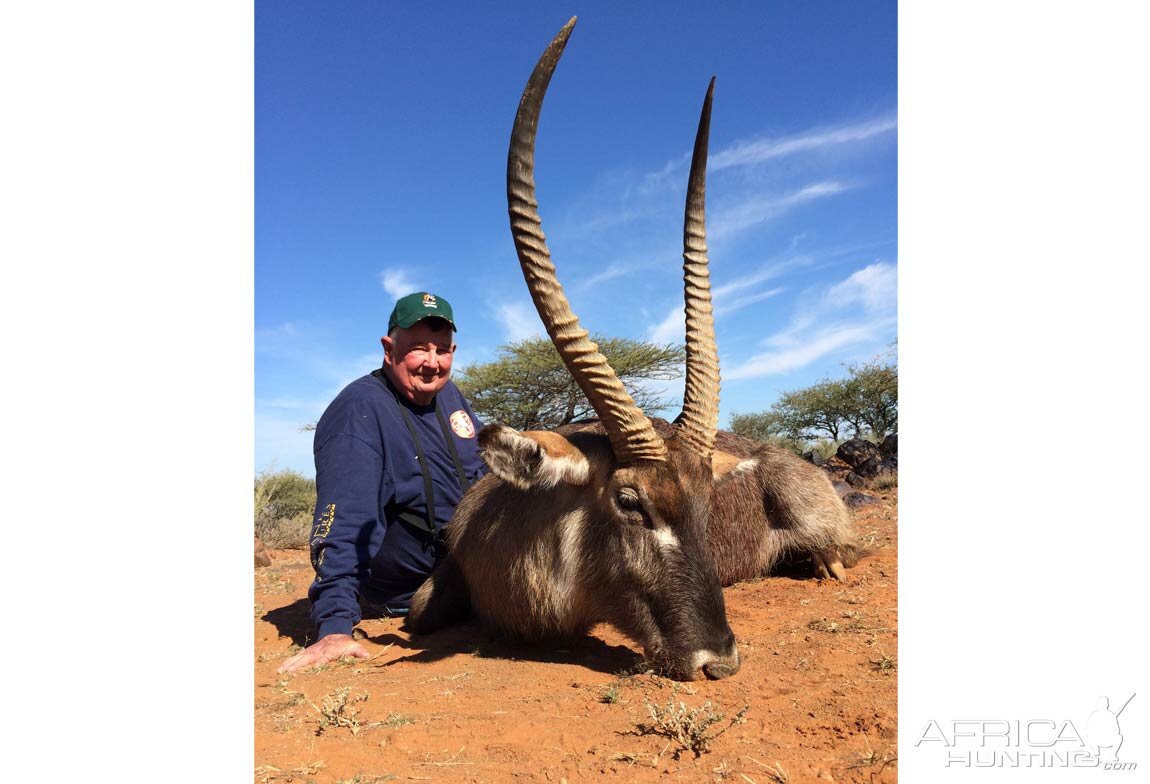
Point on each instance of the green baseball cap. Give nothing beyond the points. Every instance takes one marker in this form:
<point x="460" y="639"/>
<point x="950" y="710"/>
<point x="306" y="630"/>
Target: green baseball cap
<point x="418" y="306"/>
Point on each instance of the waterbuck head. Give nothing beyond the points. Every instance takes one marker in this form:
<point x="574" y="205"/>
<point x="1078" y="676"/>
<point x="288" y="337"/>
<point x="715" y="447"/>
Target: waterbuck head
<point x="620" y="516"/>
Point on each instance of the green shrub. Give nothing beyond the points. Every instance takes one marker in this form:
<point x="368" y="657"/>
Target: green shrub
<point x="284" y="505"/>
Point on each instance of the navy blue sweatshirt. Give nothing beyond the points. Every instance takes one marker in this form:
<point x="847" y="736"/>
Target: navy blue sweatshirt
<point x="367" y="474"/>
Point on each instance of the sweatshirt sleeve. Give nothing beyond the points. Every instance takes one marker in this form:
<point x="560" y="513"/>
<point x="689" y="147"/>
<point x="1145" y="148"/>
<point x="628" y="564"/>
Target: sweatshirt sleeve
<point x="349" y="476"/>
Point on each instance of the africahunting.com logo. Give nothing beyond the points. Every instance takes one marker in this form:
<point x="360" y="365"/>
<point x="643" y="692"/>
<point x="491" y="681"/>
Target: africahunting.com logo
<point x="1032" y="743"/>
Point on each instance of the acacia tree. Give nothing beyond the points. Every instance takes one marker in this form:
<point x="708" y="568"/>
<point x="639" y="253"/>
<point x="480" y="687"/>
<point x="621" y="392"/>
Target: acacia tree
<point x="764" y="426"/>
<point x="873" y="393"/>
<point x="822" y="408"/>
<point x="863" y="404"/>
<point x="529" y="388"/>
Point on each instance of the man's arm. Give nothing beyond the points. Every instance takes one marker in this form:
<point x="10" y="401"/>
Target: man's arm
<point x="349" y="473"/>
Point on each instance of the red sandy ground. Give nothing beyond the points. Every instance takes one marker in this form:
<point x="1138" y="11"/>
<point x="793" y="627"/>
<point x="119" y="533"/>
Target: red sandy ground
<point x="816" y="695"/>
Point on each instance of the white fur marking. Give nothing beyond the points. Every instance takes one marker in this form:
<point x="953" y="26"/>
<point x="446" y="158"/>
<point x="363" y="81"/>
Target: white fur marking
<point x="745" y="465"/>
<point x="570" y="532"/>
<point x="701" y="658"/>
<point x="666" y="538"/>
<point x="570" y="469"/>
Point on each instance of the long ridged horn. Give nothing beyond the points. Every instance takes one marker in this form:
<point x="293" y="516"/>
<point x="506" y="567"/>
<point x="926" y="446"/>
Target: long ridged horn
<point x="631" y="434"/>
<point x="700" y="418"/>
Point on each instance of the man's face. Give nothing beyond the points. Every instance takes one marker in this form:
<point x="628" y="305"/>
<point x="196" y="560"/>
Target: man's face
<point x="418" y="359"/>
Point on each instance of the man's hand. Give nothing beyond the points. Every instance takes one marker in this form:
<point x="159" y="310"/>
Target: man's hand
<point x="323" y="650"/>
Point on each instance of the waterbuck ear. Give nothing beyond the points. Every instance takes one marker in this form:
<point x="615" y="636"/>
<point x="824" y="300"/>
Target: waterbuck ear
<point x="533" y="458"/>
<point x="723" y="464"/>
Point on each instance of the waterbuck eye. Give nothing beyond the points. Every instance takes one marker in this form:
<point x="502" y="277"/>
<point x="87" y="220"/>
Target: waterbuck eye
<point x="628" y="499"/>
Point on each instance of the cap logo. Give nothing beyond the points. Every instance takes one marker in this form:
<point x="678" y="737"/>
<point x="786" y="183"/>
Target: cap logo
<point x="429" y="301"/>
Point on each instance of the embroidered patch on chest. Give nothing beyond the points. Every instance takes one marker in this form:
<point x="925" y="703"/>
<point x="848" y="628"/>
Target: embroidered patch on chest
<point x="462" y="425"/>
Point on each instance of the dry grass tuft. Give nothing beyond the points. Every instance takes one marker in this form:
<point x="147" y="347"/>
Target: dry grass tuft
<point x="872" y="758"/>
<point x="339" y="710"/>
<point x="265" y="774"/>
<point x="776" y="773"/>
<point x="611" y="693"/>
<point x="689" y="728"/>
<point x="394" y="720"/>
<point x="886" y="665"/>
<point x="449" y="761"/>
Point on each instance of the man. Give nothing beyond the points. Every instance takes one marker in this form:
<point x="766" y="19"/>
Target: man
<point x="394" y="453"/>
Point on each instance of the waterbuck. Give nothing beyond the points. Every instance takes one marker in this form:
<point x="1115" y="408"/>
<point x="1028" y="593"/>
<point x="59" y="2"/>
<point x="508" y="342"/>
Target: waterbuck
<point x="607" y="526"/>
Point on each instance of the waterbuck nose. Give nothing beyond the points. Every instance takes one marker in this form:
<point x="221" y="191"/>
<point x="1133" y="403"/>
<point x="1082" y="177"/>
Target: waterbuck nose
<point x="721" y="668"/>
<point x="718" y="667"/>
<point x="717" y="672"/>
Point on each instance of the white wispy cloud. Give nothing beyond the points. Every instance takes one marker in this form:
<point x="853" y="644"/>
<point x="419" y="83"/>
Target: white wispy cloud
<point x="671" y="328"/>
<point x="764" y="273"/>
<point x="875" y="287"/>
<point x="727" y="298"/>
<point x="756" y="208"/>
<point x="518" y="319"/>
<point x="397" y="282"/>
<point x="626" y="200"/>
<point x="731" y="305"/>
<point x="748" y="153"/>
<point x="858" y="309"/>
<point x="802" y="353"/>
<point x="612" y="271"/>
<point x="723" y="225"/>
<point x="273" y="338"/>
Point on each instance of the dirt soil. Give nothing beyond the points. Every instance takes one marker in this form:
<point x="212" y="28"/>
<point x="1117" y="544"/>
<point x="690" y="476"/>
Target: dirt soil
<point x="815" y="700"/>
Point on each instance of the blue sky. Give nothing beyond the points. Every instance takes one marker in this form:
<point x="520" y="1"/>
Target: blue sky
<point x="381" y="134"/>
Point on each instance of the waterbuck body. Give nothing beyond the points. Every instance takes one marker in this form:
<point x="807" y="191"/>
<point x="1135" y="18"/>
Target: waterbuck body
<point x="773" y="505"/>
